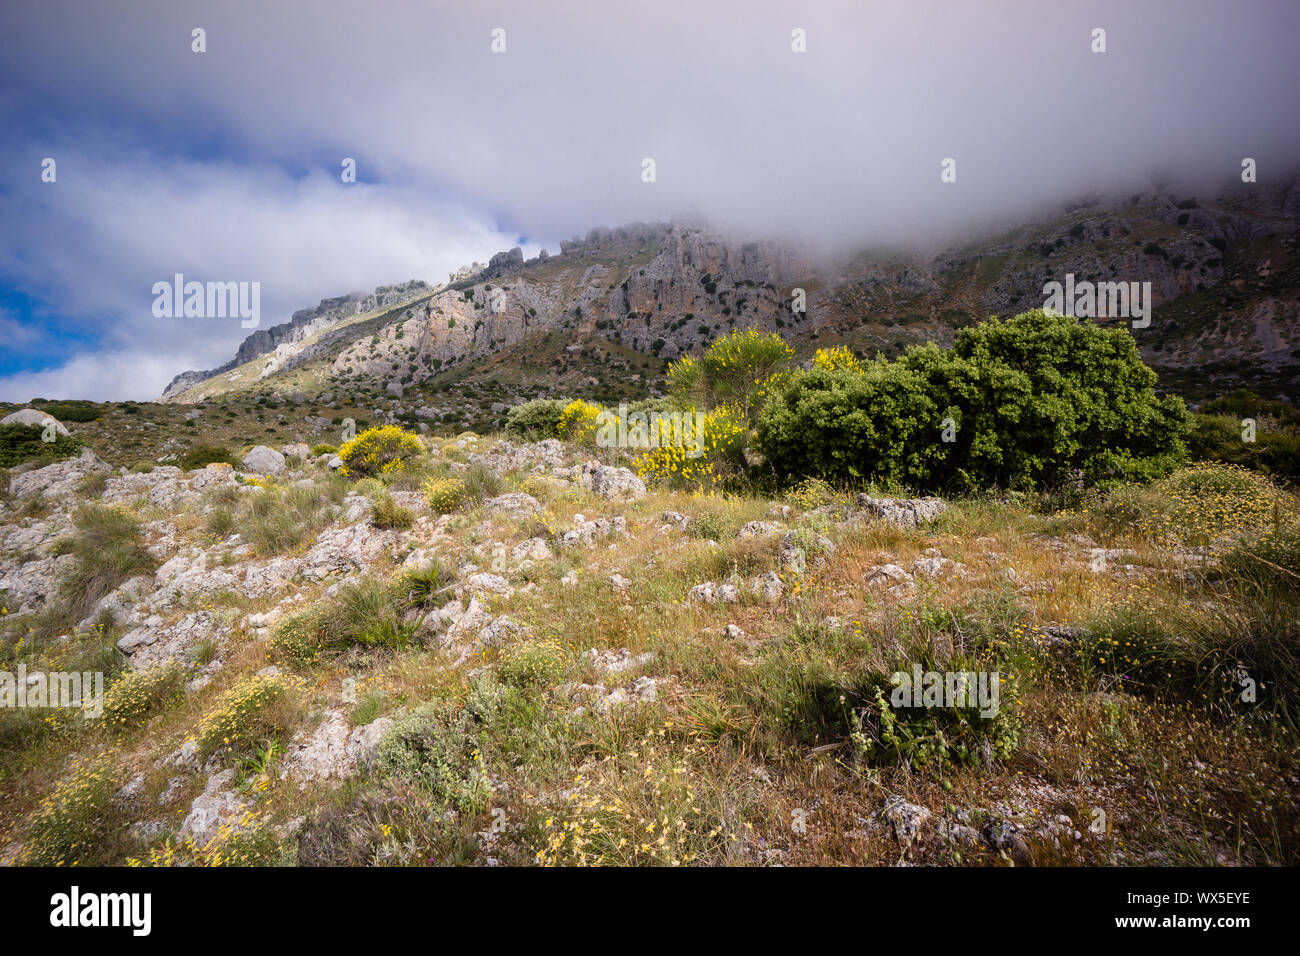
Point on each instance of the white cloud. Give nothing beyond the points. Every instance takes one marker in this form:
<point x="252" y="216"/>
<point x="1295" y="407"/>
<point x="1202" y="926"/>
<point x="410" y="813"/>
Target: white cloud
<point x="16" y="335"/>
<point x="116" y="222"/>
<point x="102" y="376"/>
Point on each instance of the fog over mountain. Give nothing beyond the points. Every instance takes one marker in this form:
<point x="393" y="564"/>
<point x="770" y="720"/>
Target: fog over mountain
<point x="225" y="165"/>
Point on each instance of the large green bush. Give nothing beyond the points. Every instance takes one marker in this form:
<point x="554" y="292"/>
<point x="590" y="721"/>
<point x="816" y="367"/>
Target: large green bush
<point x="1035" y="399"/>
<point x="876" y="424"/>
<point x="21" y="443"/>
<point x="536" y="419"/>
<point x="202" y="455"/>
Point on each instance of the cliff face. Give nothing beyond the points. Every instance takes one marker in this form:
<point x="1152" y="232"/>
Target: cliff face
<point x="1224" y="278"/>
<point x="302" y="325"/>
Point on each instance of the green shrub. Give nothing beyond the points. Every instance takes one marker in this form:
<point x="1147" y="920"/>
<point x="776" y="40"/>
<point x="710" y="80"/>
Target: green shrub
<point x="1040" y="396"/>
<point x="536" y="419"/>
<point x="73" y="412"/>
<point x="919" y="735"/>
<point x="1027" y="401"/>
<point x="436" y="746"/>
<point x="202" y="455"/>
<point x="1275" y="450"/>
<point x="839" y="424"/>
<point x="389" y="514"/>
<point x="323" y="449"/>
<point x="22" y="443"/>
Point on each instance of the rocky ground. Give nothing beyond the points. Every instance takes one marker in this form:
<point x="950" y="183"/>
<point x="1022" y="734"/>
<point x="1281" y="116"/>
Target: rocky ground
<point x="569" y="667"/>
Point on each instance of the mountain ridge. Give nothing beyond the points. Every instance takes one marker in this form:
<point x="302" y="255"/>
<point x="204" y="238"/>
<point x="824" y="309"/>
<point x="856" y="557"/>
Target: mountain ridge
<point x="1224" y="275"/>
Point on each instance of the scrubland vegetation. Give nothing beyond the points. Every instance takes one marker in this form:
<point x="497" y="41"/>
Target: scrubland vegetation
<point x="472" y="650"/>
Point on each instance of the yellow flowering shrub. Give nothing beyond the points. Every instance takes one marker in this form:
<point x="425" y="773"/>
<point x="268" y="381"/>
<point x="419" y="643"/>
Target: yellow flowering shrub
<point x="643" y="807"/>
<point x="140" y="693"/>
<point x="839" y="357"/>
<point x="256" y="707"/>
<point x="444" y="494"/>
<point x="379" y="451"/>
<point x="246" y="840"/>
<point x="578" y="422"/>
<point x="71" y="823"/>
<point x="743" y="367"/>
<point x="811" y="493"/>
<point x="539" y="486"/>
<point x="721" y="436"/>
<point x="686" y="379"/>
<point x="1209" y="502"/>
<point x="537" y="663"/>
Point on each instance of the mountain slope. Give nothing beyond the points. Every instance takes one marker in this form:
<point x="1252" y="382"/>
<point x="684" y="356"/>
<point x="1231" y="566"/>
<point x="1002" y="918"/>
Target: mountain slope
<point x="1224" y="274"/>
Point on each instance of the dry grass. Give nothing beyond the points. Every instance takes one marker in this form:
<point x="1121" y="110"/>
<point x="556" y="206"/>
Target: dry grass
<point x="742" y="758"/>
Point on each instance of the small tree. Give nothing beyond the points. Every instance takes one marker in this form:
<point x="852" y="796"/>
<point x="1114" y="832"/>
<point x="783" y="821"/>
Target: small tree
<point x="739" y="369"/>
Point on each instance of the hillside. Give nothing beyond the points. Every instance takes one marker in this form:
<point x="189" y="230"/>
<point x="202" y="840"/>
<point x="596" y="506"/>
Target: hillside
<point x="563" y="666"/>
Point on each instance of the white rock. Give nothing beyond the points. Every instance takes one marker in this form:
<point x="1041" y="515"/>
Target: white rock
<point x="264" y="461"/>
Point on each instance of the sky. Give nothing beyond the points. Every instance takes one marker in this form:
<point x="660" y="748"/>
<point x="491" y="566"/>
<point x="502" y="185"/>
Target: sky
<point x="224" y="165"/>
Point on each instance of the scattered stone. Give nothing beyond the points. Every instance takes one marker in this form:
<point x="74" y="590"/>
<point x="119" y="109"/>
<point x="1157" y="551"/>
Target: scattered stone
<point x="59" y="480"/>
<point x="903" y="512"/>
<point x="616" y="662"/>
<point x="215" y="807"/>
<point x="617" y="484"/>
<point x="264" y="461"/>
<point x="768" y="587"/>
<point x="905" y="818"/>
<point x="515" y="505"/>
<point x="884" y="575"/>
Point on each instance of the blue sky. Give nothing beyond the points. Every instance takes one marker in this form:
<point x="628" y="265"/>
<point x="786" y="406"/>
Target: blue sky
<point x="224" y="165"/>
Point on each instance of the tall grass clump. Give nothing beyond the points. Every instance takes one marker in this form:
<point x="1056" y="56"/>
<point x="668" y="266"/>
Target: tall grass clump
<point x="109" y="549"/>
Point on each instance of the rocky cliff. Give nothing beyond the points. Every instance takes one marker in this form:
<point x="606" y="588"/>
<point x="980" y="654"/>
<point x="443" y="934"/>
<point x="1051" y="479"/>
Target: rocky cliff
<point x="1224" y="278"/>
